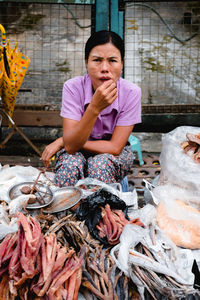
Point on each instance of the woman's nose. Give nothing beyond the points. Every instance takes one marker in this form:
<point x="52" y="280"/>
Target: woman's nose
<point x="104" y="66"/>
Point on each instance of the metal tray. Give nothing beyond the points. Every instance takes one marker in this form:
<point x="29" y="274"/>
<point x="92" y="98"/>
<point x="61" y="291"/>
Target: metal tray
<point x="64" y="198"/>
<point x="42" y="192"/>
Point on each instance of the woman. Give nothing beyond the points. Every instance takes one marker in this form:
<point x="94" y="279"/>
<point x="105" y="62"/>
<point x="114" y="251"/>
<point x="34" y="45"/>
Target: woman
<point x="99" y="111"/>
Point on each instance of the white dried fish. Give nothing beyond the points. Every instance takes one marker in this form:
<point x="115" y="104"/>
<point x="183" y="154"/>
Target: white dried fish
<point x="162" y="257"/>
<point x="19" y="203"/>
<point x="159" y="244"/>
<point x="6" y="225"/>
<point x="4" y="219"/>
<point x="145" y="262"/>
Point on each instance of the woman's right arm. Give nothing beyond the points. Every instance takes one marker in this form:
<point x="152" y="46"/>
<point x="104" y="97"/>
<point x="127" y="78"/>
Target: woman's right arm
<point x="76" y="133"/>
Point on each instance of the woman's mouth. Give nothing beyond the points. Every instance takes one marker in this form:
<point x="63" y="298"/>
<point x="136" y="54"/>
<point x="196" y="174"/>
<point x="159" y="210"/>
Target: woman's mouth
<point x="105" y="78"/>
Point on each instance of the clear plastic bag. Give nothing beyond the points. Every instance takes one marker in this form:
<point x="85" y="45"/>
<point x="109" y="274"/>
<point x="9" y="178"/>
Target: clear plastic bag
<point x="91" y="185"/>
<point x="8" y="228"/>
<point x="177" y="167"/>
<point x="178" y="214"/>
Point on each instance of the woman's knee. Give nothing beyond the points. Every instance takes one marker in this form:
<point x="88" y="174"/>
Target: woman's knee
<point x="66" y="176"/>
<point x="69" y="170"/>
<point x="101" y="168"/>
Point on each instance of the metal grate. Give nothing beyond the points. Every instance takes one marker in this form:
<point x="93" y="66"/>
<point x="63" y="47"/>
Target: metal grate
<point x="163" y="50"/>
<point x="171" y="109"/>
<point x="53" y="37"/>
<point x="157" y="59"/>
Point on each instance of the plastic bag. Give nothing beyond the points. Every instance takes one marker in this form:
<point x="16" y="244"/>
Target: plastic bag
<point x="178" y="214"/>
<point x="8" y="228"/>
<point x="91" y="185"/>
<point x="169" y="259"/>
<point x="172" y="192"/>
<point x="177" y="167"/>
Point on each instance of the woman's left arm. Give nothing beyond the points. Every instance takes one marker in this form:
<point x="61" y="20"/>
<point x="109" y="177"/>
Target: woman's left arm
<point x="114" y="146"/>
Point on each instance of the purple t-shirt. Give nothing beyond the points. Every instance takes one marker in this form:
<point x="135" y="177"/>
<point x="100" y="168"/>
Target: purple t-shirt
<point x="124" y="111"/>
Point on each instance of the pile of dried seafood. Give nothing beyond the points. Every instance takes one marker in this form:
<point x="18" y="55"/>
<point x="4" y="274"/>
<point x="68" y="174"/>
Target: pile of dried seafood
<point x="112" y="223"/>
<point x="192" y="146"/>
<point x="153" y="280"/>
<point x="70" y="232"/>
<point x="58" y="256"/>
<point x="32" y="265"/>
<point x="54" y="257"/>
<point x="103" y="279"/>
<point x="152" y="265"/>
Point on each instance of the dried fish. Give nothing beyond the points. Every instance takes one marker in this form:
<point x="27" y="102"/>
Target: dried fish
<point x="112" y="223"/>
<point x="33" y="264"/>
<point x="19" y="203"/>
<point x="75" y="232"/>
<point x="6" y="251"/>
<point x="73" y="264"/>
<point x="192" y="146"/>
<point x="146" y="264"/>
<point x="195" y="138"/>
<point x="95" y="277"/>
<point x="103" y="279"/>
<point x="4" y="289"/>
<point x="142" y="260"/>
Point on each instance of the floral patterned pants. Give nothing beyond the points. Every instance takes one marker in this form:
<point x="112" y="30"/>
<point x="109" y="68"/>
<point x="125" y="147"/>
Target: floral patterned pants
<point x="104" y="167"/>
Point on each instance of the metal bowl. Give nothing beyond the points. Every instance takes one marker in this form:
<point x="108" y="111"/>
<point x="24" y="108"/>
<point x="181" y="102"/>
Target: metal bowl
<point x="64" y="198"/>
<point x="42" y="193"/>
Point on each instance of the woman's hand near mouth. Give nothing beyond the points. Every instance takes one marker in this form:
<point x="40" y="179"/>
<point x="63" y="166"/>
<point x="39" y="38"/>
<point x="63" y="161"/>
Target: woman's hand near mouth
<point x="104" y="95"/>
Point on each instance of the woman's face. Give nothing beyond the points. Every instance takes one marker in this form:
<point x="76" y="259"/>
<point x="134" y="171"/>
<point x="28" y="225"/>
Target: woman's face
<point x="104" y="63"/>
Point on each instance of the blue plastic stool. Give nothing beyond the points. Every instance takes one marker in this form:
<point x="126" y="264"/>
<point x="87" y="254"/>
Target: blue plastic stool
<point x="135" y="146"/>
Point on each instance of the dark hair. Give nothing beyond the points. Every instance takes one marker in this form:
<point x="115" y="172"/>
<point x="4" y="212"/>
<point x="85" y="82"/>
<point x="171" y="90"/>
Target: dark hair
<point x="103" y="37"/>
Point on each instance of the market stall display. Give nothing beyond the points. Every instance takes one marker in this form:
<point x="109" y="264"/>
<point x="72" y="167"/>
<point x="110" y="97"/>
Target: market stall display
<point x="104" y="246"/>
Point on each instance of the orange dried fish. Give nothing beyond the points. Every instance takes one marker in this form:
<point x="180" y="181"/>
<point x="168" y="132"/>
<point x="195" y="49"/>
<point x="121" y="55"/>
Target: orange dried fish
<point x="112" y="224"/>
<point x="191" y="147"/>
